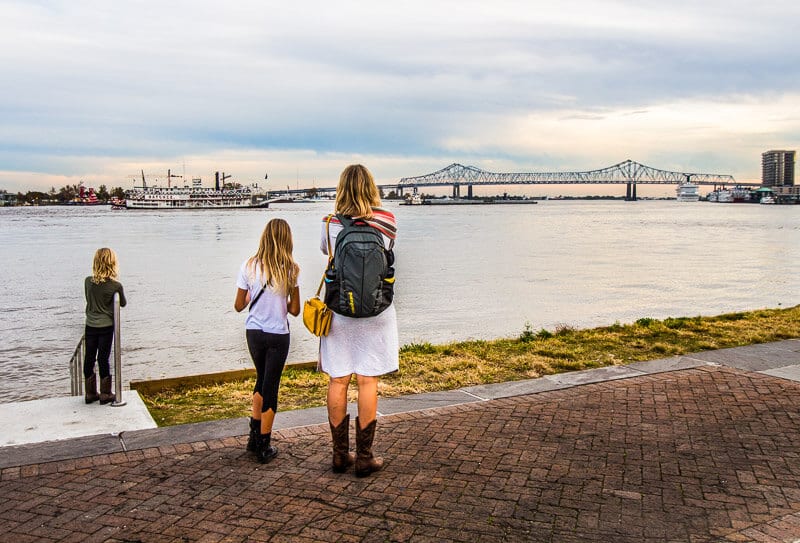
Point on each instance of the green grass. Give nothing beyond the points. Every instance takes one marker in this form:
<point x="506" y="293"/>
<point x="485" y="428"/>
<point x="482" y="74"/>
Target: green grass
<point x="427" y="368"/>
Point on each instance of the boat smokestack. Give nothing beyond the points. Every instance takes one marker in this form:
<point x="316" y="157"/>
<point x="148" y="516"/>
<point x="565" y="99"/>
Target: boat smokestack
<point x="216" y="182"/>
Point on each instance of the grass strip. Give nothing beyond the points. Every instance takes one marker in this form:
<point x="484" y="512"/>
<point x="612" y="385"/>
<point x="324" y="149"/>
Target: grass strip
<point x="428" y="368"/>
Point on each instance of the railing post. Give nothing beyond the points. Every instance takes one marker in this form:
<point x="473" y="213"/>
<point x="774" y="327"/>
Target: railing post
<point x="76" y="369"/>
<point x="118" y="402"/>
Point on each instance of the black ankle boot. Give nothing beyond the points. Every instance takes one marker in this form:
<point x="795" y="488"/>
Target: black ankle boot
<point x="255" y="430"/>
<point x="265" y="452"/>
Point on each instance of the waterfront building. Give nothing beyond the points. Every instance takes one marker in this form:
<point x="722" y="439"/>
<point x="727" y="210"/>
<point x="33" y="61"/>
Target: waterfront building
<point x="7" y="199"/>
<point x="777" y="168"/>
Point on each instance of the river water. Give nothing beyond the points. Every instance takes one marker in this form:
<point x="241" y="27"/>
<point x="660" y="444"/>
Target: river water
<point x="464" y="272"/>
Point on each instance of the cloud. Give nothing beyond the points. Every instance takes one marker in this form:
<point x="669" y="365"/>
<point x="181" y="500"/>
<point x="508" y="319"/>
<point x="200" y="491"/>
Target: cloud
<point x="94" y="87"/>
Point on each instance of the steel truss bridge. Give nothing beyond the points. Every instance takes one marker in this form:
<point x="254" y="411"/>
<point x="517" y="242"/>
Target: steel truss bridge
<point x="629" y="173"/>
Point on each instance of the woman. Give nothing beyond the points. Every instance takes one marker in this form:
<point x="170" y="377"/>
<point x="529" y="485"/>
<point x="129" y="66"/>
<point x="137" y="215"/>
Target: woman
<point x="99" y="289"/>
<point x="268" y="282"/>
<point x="367" y="347"/>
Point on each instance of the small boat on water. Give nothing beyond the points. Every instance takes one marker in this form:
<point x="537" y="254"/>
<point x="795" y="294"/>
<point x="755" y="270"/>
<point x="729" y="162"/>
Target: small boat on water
<point x="688" y="192"/>
<point x="414" y="200"/>
<point x="767" y="199"/>
<point x="85" y="197"/>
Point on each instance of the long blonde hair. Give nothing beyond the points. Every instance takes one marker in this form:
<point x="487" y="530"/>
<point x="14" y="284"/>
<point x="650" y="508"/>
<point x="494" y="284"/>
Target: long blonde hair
<point x="104" y="265"/>
<point x="274" y="257"/>
<point x="357" y="194"/>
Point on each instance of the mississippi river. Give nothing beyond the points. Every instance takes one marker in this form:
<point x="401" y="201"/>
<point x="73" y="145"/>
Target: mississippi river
<point x="463" y="272"/>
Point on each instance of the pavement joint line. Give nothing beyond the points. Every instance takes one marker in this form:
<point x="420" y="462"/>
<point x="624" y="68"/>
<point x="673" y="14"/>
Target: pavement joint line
<point x="474" y="395"/>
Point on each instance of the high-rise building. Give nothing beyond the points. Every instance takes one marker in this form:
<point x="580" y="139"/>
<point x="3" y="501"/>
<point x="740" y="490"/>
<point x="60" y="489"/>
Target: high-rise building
<point x="777" y="168"/>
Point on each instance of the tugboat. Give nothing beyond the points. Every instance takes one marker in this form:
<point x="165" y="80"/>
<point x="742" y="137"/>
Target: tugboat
<point x="85" y="197"/>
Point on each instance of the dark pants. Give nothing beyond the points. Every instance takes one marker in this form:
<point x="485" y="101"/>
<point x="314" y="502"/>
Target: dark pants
<point x="98" y="347"/>
<point x="269" y="352"/>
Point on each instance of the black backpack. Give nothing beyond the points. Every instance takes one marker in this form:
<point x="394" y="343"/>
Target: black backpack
<point x="359" y="281"/>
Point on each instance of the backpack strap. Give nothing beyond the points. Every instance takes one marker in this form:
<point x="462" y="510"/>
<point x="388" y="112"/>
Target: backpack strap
<point x="349" y="221"/>
<point x="330" y="253"/>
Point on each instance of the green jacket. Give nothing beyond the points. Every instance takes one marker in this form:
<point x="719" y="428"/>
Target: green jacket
<point x="100" y="302"/>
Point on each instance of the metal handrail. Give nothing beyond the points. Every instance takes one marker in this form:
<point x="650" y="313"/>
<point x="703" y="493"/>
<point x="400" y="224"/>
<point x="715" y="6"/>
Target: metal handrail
<point x="76" y="369"/>
<point x="118" y="402"/>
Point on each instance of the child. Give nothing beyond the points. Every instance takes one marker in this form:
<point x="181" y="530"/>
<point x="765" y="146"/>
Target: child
<point x="100" y="288"/>
<point x="268" y="282"/>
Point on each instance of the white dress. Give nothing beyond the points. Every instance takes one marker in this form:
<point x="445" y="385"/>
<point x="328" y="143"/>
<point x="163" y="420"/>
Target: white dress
<point x="367" y="346"/>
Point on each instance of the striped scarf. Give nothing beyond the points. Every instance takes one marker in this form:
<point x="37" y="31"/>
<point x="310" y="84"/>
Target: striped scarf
<point x="382" y="219"/>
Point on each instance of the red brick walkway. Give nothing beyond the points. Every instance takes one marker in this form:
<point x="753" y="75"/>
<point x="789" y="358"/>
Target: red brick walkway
<point x="708" y="454"/>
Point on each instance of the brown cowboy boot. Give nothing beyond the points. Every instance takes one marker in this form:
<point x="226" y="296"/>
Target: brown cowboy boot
<point x="342" y="457"/>
<point x="90" y="389"/>
<point x="366" y="463"/>
<point x="105" y="390"/>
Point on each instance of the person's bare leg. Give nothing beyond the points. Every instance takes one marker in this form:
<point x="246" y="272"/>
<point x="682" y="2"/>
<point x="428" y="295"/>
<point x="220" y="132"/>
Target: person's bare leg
<point x="267" y="418"/>
<point x="337" y="399"/>
<point x="257" y="402"/>
<point x="367" y="399"/>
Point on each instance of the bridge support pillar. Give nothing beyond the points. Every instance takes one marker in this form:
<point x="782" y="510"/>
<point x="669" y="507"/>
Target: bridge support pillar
<point x="456" y="191"/>
<point x="630" y="192"/>
<point x="469" y="192"/>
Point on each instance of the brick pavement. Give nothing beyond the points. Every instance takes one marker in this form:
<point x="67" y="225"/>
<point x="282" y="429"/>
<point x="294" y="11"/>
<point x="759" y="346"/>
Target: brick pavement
<point x="707" y="454"/>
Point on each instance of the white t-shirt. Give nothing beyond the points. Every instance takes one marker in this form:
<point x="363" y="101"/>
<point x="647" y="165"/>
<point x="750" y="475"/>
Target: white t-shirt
<point x="269" y="312"/>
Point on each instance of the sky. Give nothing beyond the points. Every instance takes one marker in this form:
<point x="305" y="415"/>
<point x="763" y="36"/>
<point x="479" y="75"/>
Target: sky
<point x="99" y="91"/>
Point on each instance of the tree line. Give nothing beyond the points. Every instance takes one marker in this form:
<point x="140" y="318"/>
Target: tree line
<point x="66" y="194"/>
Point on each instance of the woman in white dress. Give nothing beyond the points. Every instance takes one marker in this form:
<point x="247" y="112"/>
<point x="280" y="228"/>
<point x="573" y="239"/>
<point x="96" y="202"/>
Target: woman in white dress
<point x="367" y="347"/>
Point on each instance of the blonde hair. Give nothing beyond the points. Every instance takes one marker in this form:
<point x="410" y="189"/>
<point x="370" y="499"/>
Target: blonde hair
<point x="356" y="194"/>
<point x="274" y="257"/>
<point x="104" y="265"/>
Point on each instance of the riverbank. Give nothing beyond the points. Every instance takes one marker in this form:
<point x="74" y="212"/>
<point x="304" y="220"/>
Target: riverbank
<point x="429" y="368"/>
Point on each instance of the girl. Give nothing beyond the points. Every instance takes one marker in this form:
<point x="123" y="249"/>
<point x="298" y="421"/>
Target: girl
<point x="268" y="282"/>
<point x="367" y="347"/>
<point x="99" y="289"/>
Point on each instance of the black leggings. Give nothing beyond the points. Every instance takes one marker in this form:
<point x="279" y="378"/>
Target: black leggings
<point x="269" y="352"/>
<point x="98" y="347"/>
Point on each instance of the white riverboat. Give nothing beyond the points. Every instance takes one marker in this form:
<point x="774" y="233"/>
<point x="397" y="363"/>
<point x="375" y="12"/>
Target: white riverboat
<point x="688" y="192"/>
<point x="723" y="196"/>
<point x="195" y="197"/>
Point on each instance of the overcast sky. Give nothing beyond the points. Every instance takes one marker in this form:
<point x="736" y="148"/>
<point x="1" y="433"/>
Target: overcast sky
<point x="99" y="90"/>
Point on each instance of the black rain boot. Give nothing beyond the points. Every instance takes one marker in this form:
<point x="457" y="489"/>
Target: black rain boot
<point x="265" y="452"/>
<point x="105" y="391"/>
<point x="255" y="430"/>
<point x="342" y="457"/>
<point x="90" y="389"/>
<point x="366" y="463"/>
